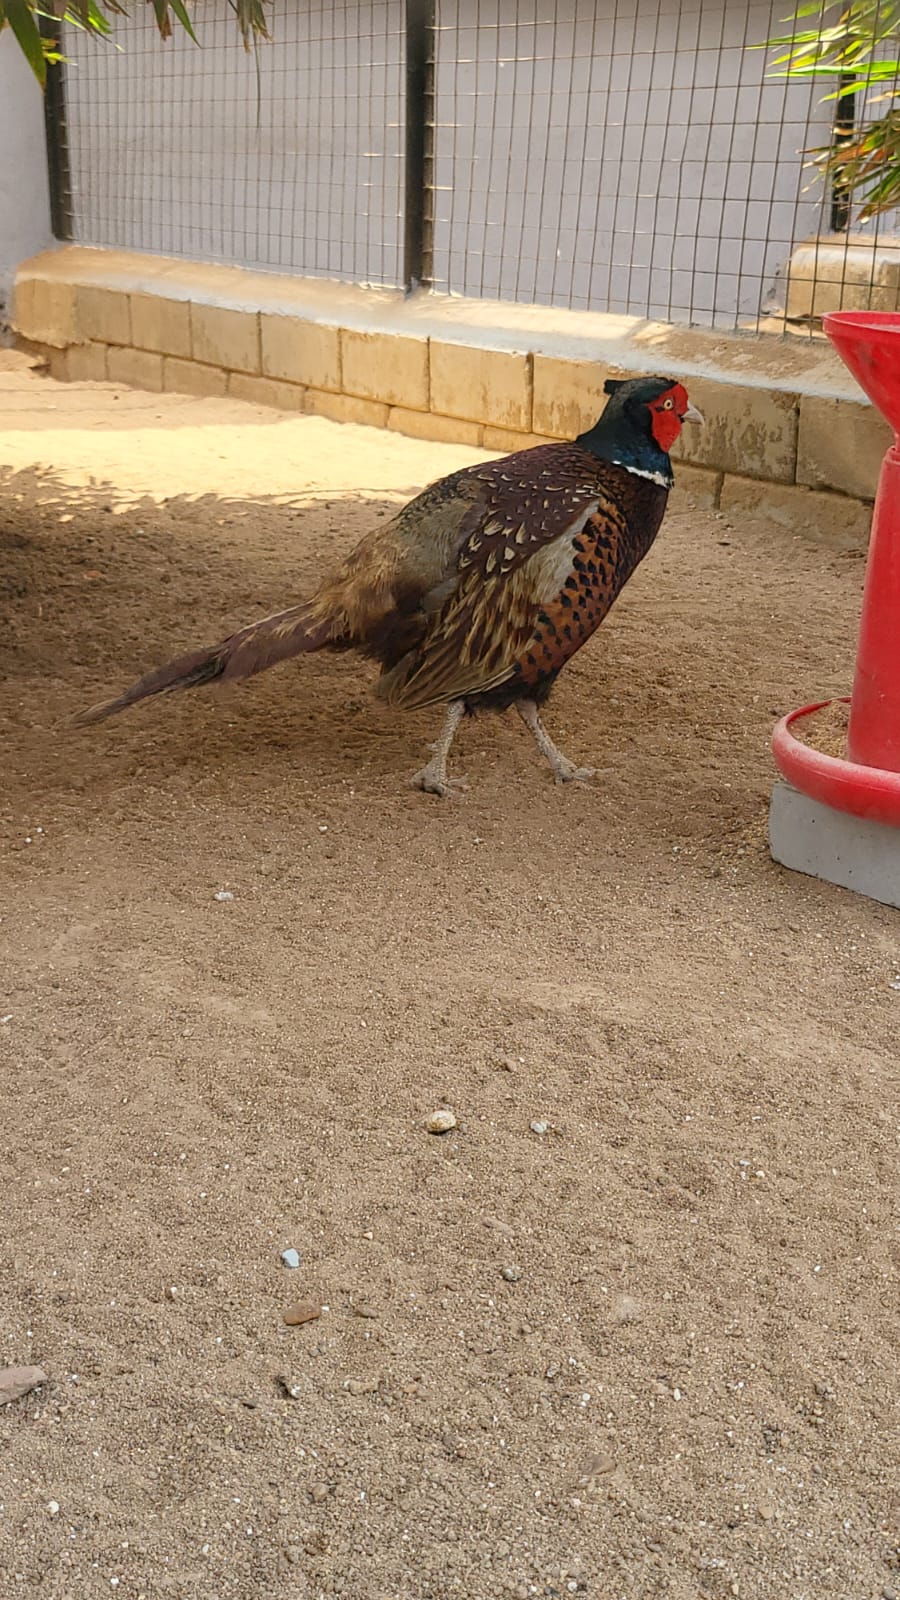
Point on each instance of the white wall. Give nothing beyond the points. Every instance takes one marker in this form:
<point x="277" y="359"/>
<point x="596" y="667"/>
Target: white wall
<point x="24" y="191"/>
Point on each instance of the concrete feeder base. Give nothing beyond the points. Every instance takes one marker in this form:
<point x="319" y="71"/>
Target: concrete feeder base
<point x="849" y="851"/>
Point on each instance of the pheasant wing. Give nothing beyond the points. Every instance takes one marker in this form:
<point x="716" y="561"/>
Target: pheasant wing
<point x="517" y="551"/>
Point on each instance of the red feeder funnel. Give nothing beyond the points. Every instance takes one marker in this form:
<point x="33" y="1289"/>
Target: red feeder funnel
<point x="867" y="784"/>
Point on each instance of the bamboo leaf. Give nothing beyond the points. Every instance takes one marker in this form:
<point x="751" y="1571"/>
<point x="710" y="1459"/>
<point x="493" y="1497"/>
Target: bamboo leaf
<point x="96" y="17"/>
<point x="80" y="10"/>
<point x="98" y="22"/>
<point x="251" y="19"/>
<point x="861" y="50"/>
<point x="181" y="13"/>
<point x="163" y="20"/>
<point x="21" y="19"/>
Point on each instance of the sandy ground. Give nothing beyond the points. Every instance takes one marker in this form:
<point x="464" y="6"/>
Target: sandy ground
<point x="683" y="1384"/>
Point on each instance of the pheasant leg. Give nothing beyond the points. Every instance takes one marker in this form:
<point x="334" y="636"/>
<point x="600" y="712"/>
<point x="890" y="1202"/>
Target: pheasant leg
<point x="564" y="770"/>
<point x="433" y="777"/>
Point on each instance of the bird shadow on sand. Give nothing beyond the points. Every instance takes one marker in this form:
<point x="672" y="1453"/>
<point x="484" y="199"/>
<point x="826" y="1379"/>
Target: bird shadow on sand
<point x="96" y="588"/>
<point x="94" y="591"/>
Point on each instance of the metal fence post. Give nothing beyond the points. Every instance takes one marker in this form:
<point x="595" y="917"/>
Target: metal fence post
<point x="419" y="215"/>
<point x="842" y="135"/>
<point x="58" y="169"/>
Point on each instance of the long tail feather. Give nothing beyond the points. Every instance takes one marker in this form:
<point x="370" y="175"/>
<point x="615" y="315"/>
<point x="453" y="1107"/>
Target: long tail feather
<point x="253" y="649"/>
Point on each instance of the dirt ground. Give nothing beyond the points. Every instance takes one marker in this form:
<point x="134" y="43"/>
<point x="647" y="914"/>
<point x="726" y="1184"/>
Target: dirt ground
<point x="647" y="1352"/>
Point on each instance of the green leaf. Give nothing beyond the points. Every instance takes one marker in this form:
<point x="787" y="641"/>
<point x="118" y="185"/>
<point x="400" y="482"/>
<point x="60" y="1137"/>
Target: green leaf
<point x="163" y="20"/>
<point x="86" y="16"/>
<point x="861" y="50"/>
<point x="96" y="17"/>
<point x="181" y="13"/>
<point x="22" y="21"/>
<point x="77" y="11"/>
<point x="98" y="22"/>
<point x="251" y="19"/>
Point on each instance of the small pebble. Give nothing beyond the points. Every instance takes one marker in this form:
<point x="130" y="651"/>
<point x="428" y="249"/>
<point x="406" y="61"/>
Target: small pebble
<point x="888" y="1594"/>
<point x="495" y="1224"/>
<point x="16" y="1381"/>
<point x="319" y="1492"/>
<point x="625" y="1308"/>
<point x="53" y="1507"/>
<point x="291" y="1258"/>
<point x="223" y="894"/>
<point x="595" y="1468"/>
<point x="441" y="1121"/>
<point x="511" y="1274"/>
<point x="302" y="1311"/>
<point x="362" y="1385"/>
<point x="292" y="1390"/>
<point x="539" y="1127"/>
<point x="766" y="1510"/>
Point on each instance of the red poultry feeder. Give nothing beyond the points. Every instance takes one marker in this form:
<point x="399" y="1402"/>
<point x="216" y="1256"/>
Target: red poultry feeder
<point x="837" y="817"/>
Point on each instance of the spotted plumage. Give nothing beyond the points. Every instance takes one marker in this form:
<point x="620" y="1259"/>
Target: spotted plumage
<point x="482" y="588"/>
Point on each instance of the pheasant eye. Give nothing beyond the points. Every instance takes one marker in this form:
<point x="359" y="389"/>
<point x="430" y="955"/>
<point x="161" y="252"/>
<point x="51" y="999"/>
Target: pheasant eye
<point x="668" y="404"/>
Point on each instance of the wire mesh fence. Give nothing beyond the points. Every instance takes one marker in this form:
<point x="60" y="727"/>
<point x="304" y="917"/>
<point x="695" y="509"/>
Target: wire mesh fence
<point x="625" y="156"/>
<point x="290" y="158"/>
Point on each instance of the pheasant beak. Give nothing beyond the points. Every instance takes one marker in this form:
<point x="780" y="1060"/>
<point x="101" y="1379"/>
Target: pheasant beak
<point x="693" y="415"/>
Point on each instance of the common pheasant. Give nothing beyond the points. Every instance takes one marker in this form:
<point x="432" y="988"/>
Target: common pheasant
<point x="481" y="589"/>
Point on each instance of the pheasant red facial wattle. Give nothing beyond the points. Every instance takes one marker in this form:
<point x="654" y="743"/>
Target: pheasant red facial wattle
<point x="667" y="414"/>
<point x="481" y="589"/>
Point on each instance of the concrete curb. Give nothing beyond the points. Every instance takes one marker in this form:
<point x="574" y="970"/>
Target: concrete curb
<point x="780" y="412"/>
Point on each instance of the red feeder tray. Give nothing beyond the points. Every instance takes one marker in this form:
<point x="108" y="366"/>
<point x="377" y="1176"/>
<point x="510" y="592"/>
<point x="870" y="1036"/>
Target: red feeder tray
<point x="867" y="783"/>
